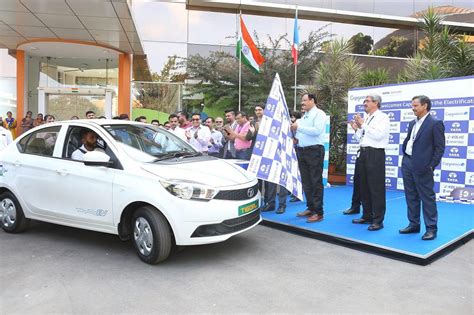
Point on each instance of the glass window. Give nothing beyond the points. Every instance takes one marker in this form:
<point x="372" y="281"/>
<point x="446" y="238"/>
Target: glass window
<point x="41" y="142"/>
<point x="203" y="30"/>
<point x="145" y="142"/>
<point x="160" y="21"/>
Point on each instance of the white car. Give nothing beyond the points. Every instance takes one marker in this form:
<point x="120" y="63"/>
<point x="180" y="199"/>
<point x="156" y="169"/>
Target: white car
<point x="141" y="183"/>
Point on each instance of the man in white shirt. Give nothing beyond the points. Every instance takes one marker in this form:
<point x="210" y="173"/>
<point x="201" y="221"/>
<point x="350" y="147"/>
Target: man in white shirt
<point x="89" y="144"/>
<point x="198" y="136"/>
<point x="5" y="138"/>
<point x="373" y="134"/>
<point x="174" y="124"/>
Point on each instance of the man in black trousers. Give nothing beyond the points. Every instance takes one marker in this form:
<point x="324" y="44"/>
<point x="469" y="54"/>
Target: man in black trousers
<point x="310" y="133"/>
<point x="423" y="149"/>
<point x="373" y="133"/>
<point x="355" y="204"/>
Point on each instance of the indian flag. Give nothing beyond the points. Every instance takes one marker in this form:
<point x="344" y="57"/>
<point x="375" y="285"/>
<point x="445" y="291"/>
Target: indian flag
<point x="250" y="54"/>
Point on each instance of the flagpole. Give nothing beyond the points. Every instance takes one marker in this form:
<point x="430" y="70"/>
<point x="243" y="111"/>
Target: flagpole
<point x="240" y="58"/>
<point x="296" y="67"/>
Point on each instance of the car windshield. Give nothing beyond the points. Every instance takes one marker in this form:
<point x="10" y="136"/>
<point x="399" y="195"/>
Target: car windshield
<point x="149" y="140"/>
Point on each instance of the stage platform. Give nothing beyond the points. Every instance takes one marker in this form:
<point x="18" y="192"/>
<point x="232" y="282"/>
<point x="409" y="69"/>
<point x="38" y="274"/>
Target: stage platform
<point x="455" y="227"/>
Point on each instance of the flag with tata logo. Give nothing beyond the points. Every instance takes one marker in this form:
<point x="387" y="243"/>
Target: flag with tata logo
<point x="274" y="156"/>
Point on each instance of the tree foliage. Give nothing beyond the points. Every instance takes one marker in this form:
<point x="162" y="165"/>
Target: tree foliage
<point x="441" y="53"/>
<point x="361" y="44"/>
<point x="374" y="77"/>
<point x="335" y="75"/>
<point x="217" y="75"/>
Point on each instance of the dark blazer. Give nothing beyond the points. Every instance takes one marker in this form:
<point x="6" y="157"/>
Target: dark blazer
<point x="428" y="147"/>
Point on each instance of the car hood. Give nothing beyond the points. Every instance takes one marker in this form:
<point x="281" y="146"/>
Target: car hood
<point x="216" y="173"/>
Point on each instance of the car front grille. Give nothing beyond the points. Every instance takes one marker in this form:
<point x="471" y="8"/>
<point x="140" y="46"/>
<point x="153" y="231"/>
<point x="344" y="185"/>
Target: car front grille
<point x="238" y="194"/>
<point x="228" y="226"/>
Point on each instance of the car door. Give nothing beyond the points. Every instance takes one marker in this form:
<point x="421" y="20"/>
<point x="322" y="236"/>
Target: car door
<point x="84" y="193"/>
<point x="35" y="168"/>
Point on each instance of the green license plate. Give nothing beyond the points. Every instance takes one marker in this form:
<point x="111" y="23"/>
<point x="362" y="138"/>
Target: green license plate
<point x="249" y="207"/>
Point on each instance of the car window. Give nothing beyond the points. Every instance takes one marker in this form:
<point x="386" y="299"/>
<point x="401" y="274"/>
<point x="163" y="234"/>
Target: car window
<point x="148" y="139"/>
<point x="74" y="142"/>
<point x="41" y="142"/>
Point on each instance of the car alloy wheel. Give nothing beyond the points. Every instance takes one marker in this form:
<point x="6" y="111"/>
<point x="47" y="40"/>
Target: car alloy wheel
<point x="143" y="236"/>
<point x="7" y="212"/>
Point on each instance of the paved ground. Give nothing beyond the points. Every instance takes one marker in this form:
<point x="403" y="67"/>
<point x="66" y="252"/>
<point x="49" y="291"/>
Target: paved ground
<point x="53" y="269"/>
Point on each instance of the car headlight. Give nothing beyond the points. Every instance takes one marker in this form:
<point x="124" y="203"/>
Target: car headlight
<point x="189" y="190"/>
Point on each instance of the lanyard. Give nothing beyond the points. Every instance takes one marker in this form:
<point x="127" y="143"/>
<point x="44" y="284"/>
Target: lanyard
<point x="368" y="123"/>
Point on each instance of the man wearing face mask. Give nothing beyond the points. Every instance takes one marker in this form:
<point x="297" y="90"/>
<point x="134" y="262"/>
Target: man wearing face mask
<point x="423" y="149"/>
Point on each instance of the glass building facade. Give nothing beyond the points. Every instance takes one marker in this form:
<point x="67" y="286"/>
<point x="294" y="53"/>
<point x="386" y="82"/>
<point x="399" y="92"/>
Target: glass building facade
<point x="168" y="28"/>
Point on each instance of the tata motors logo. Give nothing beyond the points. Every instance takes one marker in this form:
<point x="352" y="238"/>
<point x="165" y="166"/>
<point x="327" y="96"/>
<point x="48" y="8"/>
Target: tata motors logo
<point x="454" y="152"/>
<point x="388" y="182"/>
<point x="455" y="127"/>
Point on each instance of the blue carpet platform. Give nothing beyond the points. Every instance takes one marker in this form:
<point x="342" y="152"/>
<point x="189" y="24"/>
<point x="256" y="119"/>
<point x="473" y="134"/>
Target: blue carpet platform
<point x="455" y="227"/>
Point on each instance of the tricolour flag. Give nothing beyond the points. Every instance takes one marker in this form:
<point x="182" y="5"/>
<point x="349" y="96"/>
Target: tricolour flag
<point x="274" y="156"/>
<point x="250" y="54"/>
<point x="296" y="41"/>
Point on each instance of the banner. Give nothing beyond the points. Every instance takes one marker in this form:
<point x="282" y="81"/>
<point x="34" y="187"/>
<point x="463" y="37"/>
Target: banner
<point x="452" y="100"/>
<point x="274" y="157"/>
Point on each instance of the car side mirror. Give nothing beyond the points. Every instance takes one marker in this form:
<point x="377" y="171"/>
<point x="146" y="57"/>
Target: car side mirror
<point x="97" y="158"/>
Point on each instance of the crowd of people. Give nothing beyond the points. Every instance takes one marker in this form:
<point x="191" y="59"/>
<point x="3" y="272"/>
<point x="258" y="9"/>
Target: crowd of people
<point x="233" y="137"/>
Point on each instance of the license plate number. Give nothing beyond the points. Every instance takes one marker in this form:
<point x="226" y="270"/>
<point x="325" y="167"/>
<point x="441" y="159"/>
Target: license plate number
<point x="249" y="207"/>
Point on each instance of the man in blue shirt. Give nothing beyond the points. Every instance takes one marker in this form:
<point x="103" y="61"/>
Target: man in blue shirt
<point x="310" y="134"/>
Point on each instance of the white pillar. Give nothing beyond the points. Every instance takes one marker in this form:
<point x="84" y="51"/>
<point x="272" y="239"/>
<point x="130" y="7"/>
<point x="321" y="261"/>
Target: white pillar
<point x="108" y="104"/>
<point x="41" y="101"/>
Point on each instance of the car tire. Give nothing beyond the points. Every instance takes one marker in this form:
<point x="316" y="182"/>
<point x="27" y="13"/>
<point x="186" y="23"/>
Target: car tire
<point x="12" y="217"/>
<point x="151" y="235"/>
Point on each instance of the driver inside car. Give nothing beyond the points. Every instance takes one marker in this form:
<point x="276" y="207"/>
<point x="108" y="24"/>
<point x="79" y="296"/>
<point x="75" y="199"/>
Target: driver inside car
<point x="89" y="144"/>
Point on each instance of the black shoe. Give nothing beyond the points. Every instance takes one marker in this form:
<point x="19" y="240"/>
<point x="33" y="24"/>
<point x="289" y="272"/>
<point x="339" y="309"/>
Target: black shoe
<point x="429" y="236"/>
<point x="351" y="211"/>
<point x="375" y="227"/>
<point x="280" y="210"/>
<point x="268" y="207"/>
<point x="361" y="221"/>
<point x="294" y="199"/>
<point x="409" y="229"/>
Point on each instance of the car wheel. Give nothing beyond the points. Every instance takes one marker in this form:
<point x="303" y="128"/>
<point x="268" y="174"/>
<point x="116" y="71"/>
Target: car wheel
<point x="12" y="218"/>
<point x="151" y="235"/>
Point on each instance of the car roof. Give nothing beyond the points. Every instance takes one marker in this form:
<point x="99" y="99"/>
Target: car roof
<point x="99" y="122"/>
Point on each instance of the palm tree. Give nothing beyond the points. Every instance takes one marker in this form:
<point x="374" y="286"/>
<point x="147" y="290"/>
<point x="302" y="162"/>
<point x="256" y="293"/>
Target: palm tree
<point x="334" y="76"/>
<point x="441" y="53"/>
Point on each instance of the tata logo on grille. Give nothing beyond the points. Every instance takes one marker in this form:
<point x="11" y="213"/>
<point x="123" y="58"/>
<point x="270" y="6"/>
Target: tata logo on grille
<point x="250" y="192"/>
